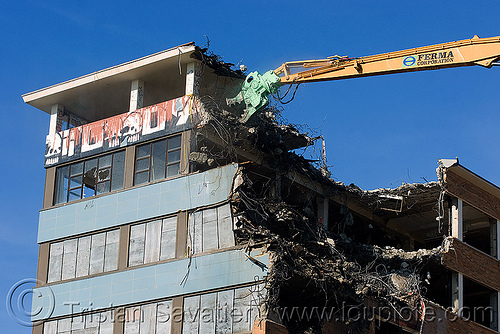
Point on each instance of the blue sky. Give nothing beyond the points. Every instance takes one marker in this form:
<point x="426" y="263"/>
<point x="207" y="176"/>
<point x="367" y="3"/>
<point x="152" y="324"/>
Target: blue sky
<point x="380" y="131"/>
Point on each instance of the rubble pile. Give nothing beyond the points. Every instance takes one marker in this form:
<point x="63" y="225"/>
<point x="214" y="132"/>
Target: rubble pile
<point x="311" y="267"/>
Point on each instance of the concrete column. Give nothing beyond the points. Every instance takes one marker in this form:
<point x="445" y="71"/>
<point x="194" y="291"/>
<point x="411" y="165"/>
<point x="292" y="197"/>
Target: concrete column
<point x="494" y="252"/>
<point x="493" y="238"/>
<point x="56" y="118"/>
<point x="136" y="95"/>
<point x="37" y="328"/>
<point x="50" y="185"/>
<point x="457" y="227"/>
<point x="123" y="247"/>
<point x="457" y="280"/>
<point x="185" y="150"/>
<point x="497" y="228"/>
<point x="323" y="212"/>
<point x="177" y="312"/>
<point x="498" y="312"/>
<point x="193" y="79"/>
<point x="275" y="189"/>
<point x="457" y="286"/>
<point x="119" y="320"/>
<point x="181" y="235"/>
<point x="494" y="312"/>
<point x="43" y="263"/>
<point x="128" y="177"/>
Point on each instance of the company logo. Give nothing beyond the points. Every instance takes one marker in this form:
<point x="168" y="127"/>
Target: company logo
<point x="20" y="297"/>
<point x="409" y="61"/>
<point x="426" y="59"/>
<point x="435" y="58"/>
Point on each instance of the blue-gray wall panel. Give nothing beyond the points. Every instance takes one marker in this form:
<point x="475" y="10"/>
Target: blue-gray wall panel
<point x="183" y="193"/>
<point x="207" y="272"/>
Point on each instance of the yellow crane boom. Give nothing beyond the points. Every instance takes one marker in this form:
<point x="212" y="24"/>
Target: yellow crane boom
<point x="257" y="87"/>
<point x="475" y="51"/>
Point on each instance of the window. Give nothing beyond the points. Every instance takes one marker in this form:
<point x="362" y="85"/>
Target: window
<point x="227" y="311"/>
<point x="210" y="229"/>
<point x="157" y="160"/>
<point x="98" y="323"/>
<point x="149" y="319"/>
<point x="90" y="177"/>
<point x="152" y="242"/>
<point x="83" y="256"/>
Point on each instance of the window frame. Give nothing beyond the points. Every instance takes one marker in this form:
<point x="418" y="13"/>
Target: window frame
<point x="168" y="150"/>
<point x="81" y="185"/>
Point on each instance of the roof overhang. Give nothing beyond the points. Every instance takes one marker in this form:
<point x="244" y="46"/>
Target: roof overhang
<point x="108" y="89"/>
<point x="471" y="188"/>
<point x="454" y="166"/>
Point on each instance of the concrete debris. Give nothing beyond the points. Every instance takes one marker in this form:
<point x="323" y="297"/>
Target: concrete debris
<point x="198" y="157"/>
<point x="216" y="63"/>
<point x="274" y="200"/>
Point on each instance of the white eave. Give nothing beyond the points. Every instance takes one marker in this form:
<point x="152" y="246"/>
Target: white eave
<point x="89" y="88"/>
<point x="454" y="166"/>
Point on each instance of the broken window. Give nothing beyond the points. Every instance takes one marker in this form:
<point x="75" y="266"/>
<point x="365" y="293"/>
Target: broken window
<point x="157" y="160"/>
<point x="90" y="177"/>
<point x="83" y="256"/>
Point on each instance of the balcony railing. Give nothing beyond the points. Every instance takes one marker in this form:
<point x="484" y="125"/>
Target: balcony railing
<point x="121" y="130"/>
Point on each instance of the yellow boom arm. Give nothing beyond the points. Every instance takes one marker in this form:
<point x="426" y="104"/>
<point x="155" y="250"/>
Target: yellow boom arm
<point x="475" y="51"/>
<point x="256" y="88"/>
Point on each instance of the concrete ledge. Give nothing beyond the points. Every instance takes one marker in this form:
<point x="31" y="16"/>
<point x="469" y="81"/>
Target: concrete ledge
<point x="472" y="263"/>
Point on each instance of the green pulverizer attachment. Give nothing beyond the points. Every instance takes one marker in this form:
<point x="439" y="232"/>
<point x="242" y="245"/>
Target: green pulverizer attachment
<point x="255" y="92"/>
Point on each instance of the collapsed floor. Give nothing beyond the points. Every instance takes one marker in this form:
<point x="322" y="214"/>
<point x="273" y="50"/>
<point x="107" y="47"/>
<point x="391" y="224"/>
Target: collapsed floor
<point x="354" y="258"/>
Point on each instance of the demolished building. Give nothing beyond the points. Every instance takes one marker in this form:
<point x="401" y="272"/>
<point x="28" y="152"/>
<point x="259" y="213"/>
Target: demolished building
<point x="176" y="217"/>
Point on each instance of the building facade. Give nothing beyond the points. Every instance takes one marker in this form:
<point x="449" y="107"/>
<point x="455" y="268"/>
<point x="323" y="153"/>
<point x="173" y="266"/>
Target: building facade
<point x="164" y="213"/>
<point x="130" y="237"/>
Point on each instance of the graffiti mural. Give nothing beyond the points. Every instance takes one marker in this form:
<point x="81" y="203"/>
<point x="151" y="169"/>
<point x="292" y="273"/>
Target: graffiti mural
<point x="121" y="130"/>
